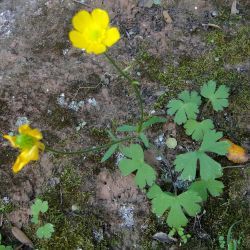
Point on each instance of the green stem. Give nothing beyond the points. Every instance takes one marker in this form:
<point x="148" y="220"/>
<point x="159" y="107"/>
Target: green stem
<point x="89" y="149"/>
<point x="237" y="166"/>
<point x="133" y="84"/>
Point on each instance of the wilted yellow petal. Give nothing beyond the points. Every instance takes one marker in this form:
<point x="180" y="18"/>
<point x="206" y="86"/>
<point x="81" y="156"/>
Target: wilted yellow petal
<point x="25" y="157"/>
<point x="26" y="130"/>
<point x="112" y="36"/>
<point x="236" y="153"/>
<point x="100" y="17"/>
<point x="81" y="20"/>
<point x="12" y="140"/>
<point x="78" y="40"/>
<point x="19" y="164"/>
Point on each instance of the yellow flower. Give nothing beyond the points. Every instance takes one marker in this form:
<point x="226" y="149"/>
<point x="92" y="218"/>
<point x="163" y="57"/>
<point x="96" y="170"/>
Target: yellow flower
<point x="28" y="141"/>
<point x="92" y="31"/>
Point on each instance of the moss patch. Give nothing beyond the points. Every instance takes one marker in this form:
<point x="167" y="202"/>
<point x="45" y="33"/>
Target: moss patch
<point x="73" y="229"/>
<point x="226" y="51"/>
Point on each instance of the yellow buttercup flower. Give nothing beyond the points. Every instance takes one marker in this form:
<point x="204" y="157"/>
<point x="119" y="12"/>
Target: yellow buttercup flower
<point x="92" y="31"/>
<point x="28" y="141"/>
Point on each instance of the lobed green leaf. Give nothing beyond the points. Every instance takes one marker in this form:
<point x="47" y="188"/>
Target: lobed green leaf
<point x="186" y="202"/>
<point x="39" y="206"/>
<point x="209" y="169"/>
<point x="184" y="108"/>
<point x="218" y="98"/>
<point x="203" y="187"/>
<point x="145" y="174"/>
<point x="45" y="231"/>
<point x="198" y="129"/>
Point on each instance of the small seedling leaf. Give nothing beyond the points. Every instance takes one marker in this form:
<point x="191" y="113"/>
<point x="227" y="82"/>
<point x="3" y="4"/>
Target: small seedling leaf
<point x="203" y="187"/>
<point x="39" y="206"/>
<point x="111" y="135"/>
<point x="198" y="129"/>
<point x="45" y="231"/>
<point x="153" y="120"/>
<point x="109" y="152"/>
<point x="145" y="174"/>
<point x="186" y="202"/>
<point x="126" y="128"/>
<point x="184" y="108"/>
<point x="218" y="98"/>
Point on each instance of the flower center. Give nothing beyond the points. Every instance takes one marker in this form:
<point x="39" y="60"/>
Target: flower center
<point x="95" y="33"/>
<point x="25" y="141"/>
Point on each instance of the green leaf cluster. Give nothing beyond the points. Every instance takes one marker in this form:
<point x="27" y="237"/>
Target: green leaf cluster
<point x="195" y="165"/>
<point x="47" y="229"/>
<point x="134" y="162"/>
<point x="185" y="203"/>
<point x="180" y="231"/>
<point x="187" y="105"/>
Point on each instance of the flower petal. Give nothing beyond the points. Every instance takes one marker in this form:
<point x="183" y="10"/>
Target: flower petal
<point x="81" y="20"/>
<point x="12" y="140"/>
<point x="112" y="36"/>
<point x="78" y="40"/>
<point x="100" y="17"/>
<point x="96" y="48"/>
<point x="19" y="164"/>
<point x="25" y="157"/>
<point x="26" y="130"/>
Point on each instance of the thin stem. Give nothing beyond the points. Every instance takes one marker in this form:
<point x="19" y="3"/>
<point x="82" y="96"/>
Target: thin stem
<point x="133" y="84"/>
<point x="237" y="166"/>
<point x="89" y="149"/>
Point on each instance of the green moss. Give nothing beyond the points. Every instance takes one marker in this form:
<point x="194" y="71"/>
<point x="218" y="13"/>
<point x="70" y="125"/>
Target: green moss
<point x="224" y="211"/>
<point x="100" y="135"/>
<point x="59" y="117"/>
<point x="220" y="63"/>
<point x="153" y="227"/>
<point x="6" y="208"/>
<point x="73" y="229"/>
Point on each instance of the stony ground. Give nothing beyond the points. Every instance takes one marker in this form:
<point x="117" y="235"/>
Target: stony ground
<point x="73" y="97"/>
